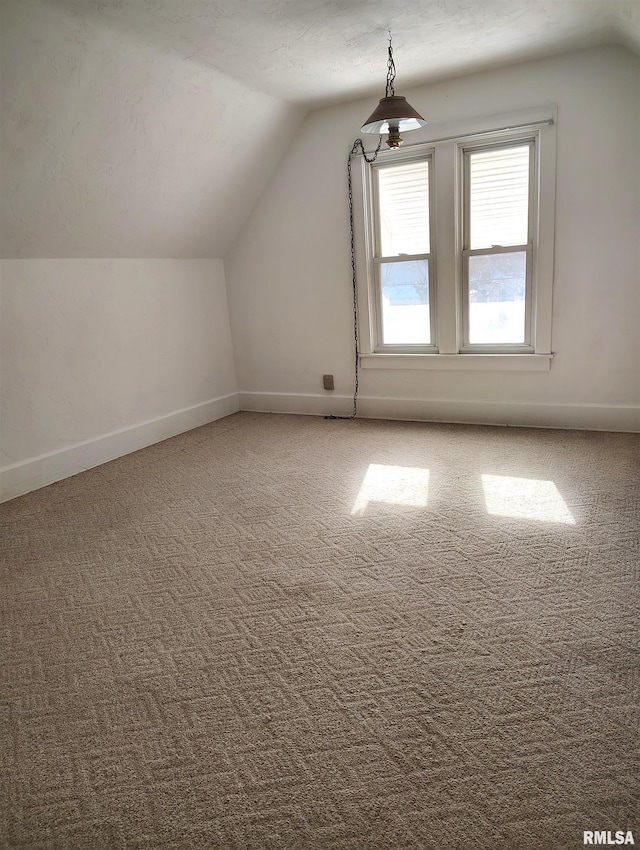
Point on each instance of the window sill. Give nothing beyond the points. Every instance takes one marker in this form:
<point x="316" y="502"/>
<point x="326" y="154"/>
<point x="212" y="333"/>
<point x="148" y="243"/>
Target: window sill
<point x="464" y="362"/>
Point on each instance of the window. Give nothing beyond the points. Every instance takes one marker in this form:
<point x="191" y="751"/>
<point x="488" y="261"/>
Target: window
<point x="498" y="246"/>
<point x="458" y="251"/>
<point x="402" y="254"/>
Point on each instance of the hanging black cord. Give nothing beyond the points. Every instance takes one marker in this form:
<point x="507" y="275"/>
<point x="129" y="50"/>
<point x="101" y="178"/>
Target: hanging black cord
<point x="354" y="283"/>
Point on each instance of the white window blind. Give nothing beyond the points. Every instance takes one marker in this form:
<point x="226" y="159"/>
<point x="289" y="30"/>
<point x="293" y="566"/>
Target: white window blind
<point x="404" y="209"/>
<point x="499" y="197"/>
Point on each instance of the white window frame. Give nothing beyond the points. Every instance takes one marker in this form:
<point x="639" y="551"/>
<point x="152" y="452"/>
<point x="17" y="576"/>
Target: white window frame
<point x="464" y="151"/>
<point x="377" y="259"/>
<point x="447" y="145"/>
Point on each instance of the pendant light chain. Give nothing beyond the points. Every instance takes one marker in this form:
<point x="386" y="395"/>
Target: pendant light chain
<point x="358" y="144"/>
<point x="391" y="72"/>
<point x="392" y="114"/>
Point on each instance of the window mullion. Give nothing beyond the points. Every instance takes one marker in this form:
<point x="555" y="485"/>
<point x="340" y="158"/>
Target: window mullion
<point x="445" y="206"/>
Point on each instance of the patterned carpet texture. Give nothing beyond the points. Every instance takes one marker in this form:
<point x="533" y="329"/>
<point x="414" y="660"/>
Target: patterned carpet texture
<point x="283" y="632"/>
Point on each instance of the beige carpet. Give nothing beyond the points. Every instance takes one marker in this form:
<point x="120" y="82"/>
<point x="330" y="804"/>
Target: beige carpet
<point x="285" y="632"/>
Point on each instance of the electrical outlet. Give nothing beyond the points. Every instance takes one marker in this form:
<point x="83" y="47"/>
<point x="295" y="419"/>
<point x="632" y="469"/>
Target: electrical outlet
<point x="327" y="382"/>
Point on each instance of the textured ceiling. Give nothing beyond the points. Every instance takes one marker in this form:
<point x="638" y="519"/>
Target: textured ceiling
<point x="149" y="128"/>
<point x="314" y="51"/>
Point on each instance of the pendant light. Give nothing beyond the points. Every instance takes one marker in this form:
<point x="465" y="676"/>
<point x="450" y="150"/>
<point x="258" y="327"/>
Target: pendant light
<point x="393" y="114"/>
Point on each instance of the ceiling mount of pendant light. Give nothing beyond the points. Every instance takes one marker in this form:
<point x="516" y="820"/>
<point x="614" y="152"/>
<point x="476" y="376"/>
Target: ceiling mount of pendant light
<point x="393" y="114"/>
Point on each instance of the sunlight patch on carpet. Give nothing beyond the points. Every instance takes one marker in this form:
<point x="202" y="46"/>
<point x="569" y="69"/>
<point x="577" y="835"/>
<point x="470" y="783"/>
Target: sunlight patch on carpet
<point x="394" y="485"/>
<point x="525" y="498"/>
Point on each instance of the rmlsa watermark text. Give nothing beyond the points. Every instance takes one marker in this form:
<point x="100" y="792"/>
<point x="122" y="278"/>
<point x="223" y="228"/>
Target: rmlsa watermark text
<point x="605" y="836"/>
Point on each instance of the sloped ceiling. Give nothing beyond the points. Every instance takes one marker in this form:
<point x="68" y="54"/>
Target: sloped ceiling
<point x="148" y="128"/>
<point x="115" y="147"/>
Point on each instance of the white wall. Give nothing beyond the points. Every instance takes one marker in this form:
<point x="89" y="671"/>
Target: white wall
<point x="116" y="144"/>
<point x="113" y="145"/>
<point x="288" y="274"/>
<point x="101" y="357"/>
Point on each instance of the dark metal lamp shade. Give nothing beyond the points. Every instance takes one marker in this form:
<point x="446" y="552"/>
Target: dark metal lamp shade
<point x="392" y="115"/>
<point x="393" y="110"/>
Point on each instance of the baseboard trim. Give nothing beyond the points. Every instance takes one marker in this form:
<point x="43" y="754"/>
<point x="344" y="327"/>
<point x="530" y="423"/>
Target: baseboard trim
<point x="584" y="417"/>
<point x="33" y="473"/>
<point x="307" y="404"/>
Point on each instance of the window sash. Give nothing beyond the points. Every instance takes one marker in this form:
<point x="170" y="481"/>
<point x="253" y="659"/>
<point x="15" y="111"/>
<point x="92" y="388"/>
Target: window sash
<point x="496" y="348"/>
<point x="402" y="348"/>
<point x="526" y="346"/>
<point x="397" y="159"/>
